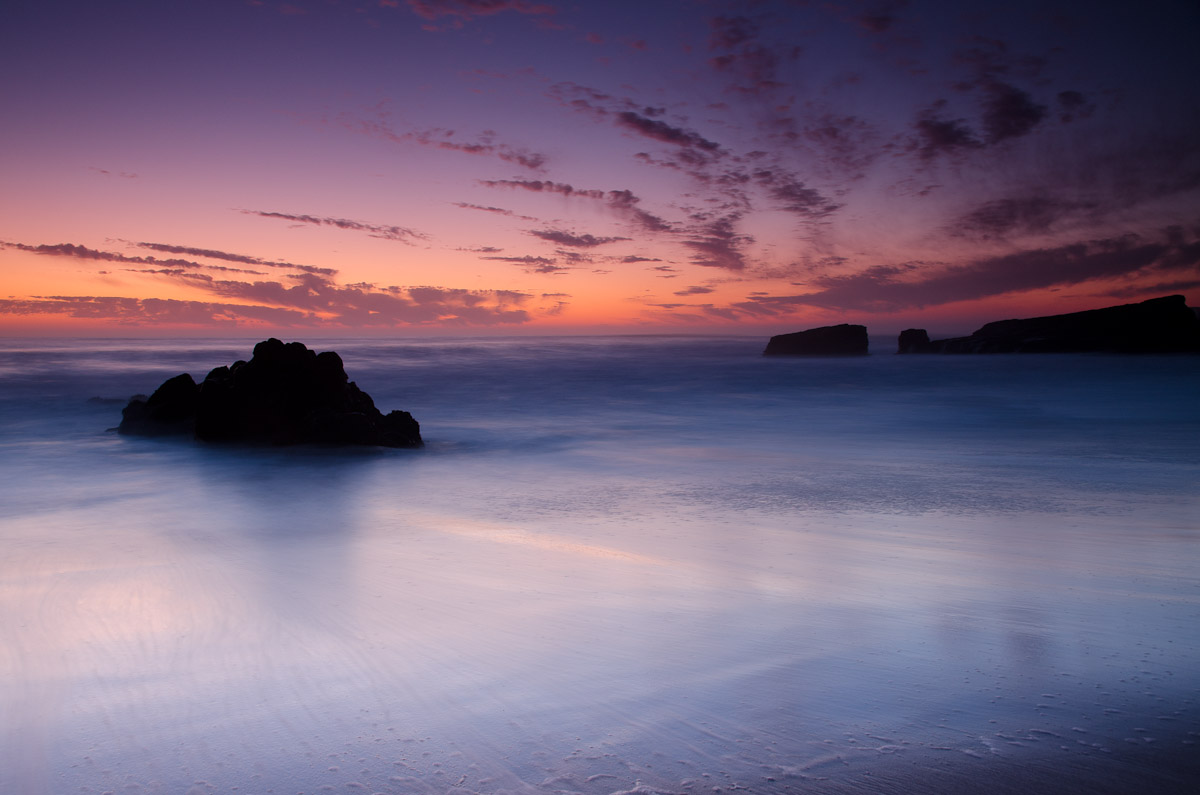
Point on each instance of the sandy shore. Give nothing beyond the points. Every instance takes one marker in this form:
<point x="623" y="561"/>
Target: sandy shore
<point x="1165" y="768"/>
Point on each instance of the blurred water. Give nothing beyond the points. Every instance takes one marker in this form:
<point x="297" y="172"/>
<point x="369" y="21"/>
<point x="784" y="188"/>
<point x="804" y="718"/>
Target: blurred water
<point x="647" y="564"/>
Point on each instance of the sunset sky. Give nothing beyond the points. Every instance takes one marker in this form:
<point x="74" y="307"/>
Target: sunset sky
<point x="567" y="166"/>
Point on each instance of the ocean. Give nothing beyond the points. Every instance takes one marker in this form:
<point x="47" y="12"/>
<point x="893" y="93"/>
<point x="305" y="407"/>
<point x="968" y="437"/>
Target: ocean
<point x="619" y="565"/>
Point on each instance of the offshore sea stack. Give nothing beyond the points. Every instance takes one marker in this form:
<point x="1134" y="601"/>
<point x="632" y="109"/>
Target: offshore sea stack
<point x="1160" y="325"/>
<point x="285" y="394"/>
<point x="843" y="340"/>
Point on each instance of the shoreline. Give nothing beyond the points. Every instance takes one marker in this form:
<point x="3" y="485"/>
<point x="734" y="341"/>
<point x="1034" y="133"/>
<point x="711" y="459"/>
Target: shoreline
<point x="1165" y="767"/>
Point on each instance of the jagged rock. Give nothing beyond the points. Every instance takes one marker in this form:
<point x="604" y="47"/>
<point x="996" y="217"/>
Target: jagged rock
<point x="285" y="394"/>
<point x="843" y="340"/>
<point x="1160" y="325"/>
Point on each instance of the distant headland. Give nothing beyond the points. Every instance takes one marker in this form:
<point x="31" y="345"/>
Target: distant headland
<point x="286" y="394"/>
<point x="1159" y="325"/>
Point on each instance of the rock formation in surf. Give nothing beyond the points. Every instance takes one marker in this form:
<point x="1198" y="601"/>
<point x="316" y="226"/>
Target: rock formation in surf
<point x="285" y="394"/>
<point x="913" y="340"/>
<point x="843" y="340"/>
<point x="1160" y="325"/>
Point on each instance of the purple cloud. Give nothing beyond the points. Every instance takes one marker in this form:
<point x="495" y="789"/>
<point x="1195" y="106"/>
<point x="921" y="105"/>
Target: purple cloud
<point x="892" y="287"/>
<point x="1009" y="112"/>
<point x="469" y="9"/>
<point x="209" y="253"/>
<point x="938" y="136"/>
<point x="753" y="65"/>
<point x="496" y="210"/>
<point x="151" y="311"/>
<point x="444" y="139"/>
<point x="661" y="131"/>
<point x="623" y="202"/>
<point x="85" y="253"/>
<point x="716" y="244"/>
<point x="793" y="195"/>
<point x="532" y="264"/>
<point x="306" y="297"/>
<point x="1001" y="217"/>
<point x="107" y="173"/>
<point x="441" y="138"/>
<point x="542" y="186"/>
<point x="397" y="233"/>
<point x="567" y="239"/>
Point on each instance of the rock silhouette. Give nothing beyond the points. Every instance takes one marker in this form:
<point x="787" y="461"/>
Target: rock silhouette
<point x="285" y="394"/>
<point x="913" y="340"/>
<point x="843" y="340"/>
<point x="1159" y="325"/>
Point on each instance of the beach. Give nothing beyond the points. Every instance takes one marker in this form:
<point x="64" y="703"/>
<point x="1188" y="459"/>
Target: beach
<point x="623" y="564"/>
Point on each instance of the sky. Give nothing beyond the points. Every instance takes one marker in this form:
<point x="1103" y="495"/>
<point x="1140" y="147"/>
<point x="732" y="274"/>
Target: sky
<point x="572" y="166"/>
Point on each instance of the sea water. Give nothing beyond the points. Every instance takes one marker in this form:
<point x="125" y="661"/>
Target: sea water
<point x="624" y="564"/>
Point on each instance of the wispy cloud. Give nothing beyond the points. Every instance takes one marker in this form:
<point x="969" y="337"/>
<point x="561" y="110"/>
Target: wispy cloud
<point x="495" y="210"/>
<point x="937" y="135"/>
<point x="152" y="311"/>
<point x="751" y="64"/>
<point x="793" y="195"/>
<point x="308" y="297"/>
<point x="1009" y="112"/>
<point x="1014" y="216"/>
<point x="85" y="253"/>
<point x="661" y="131"/>
<point x="209" y="253"/>
<point x="543" y="186"/>
<point x="483" y="144"/>
<point x="910" y="285"/>
<point x="630" y="116"/>
<point x="623" y="202"/>
<point x="398" y="233"/>
<point x="469" y="9"/>
<point x="532" y="264"/>
<point x="107" y="173"/>
<point x="568" y="239"/>
<point x="717" y="244"/>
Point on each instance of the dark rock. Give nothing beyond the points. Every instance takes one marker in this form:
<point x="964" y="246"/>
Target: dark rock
<point x="171" y="409"/>
<point x="1160" y="325"/>
<point x="913" y="340"/>
<point x="285" y="394"/>
<point x="843" y="340"/>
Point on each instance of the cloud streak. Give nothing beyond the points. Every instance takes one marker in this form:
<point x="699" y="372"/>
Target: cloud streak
<point x="495" y="210"/>
<point x="85" y="253"/>
<point x="397" y="233"/>
<point x="532" y="264"/>
<point x="622" y="202"/>
<point x="889" y="288"/>
<point x="484" y="144"/>
<point x="125" y="311"/>
<point x="305" y="298"/>
<point x="576" y="241"/>
<point x="469" y="9"/>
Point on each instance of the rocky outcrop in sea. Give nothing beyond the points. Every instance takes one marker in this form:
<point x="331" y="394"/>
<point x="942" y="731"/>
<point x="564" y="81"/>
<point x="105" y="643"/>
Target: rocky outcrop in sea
<point x="843" y="340"/>
<point x="286" y="394"/>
